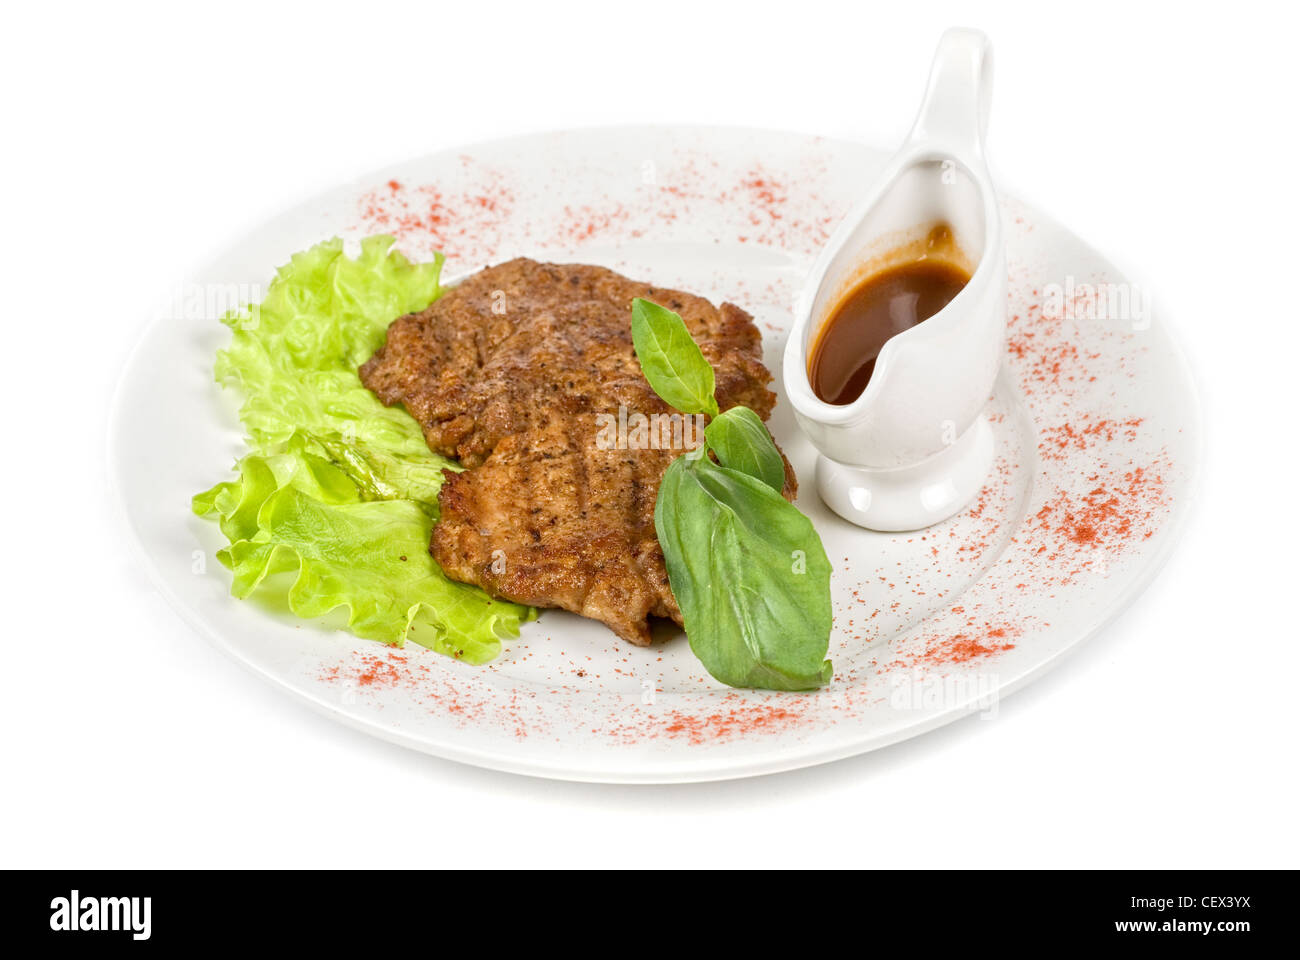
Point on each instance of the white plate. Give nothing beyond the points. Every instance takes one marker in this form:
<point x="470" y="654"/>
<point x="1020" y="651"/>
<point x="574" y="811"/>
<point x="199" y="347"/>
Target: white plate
<point x="1096" y="422"/>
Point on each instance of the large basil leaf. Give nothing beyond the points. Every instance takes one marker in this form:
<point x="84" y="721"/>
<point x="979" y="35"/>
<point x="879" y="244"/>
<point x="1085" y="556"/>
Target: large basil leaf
<point x="749" y="574"/>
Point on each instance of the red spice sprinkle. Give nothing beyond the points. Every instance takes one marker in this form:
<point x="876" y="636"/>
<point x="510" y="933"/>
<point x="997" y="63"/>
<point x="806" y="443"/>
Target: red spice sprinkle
<point x="729" y="724"/>
<point x="1057" y="443"/>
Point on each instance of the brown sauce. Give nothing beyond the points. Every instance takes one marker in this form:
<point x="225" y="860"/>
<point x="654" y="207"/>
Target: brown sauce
<point x="917" y="283"/>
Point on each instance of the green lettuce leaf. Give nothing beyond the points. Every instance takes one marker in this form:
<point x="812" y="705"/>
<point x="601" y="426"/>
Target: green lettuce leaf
<point x="295" y="355"/>
<point x="298" y="514"/>
<point x="335" y="503"/>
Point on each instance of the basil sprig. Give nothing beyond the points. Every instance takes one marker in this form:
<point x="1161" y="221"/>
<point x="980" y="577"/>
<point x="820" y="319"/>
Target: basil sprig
<point x="747" y="568"/>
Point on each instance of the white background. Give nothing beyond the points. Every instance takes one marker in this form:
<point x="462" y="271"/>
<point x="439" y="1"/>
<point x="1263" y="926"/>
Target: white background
<point x="139" y="139"/>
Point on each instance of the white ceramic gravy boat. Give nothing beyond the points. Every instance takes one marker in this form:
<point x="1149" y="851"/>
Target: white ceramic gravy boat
<point x="914" y="448"/>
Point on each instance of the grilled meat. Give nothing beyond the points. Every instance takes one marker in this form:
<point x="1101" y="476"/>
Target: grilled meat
<point x="519" y="372"/>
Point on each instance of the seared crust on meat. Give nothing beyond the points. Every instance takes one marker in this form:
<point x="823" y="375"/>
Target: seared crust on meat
<point x="508" y="372"/>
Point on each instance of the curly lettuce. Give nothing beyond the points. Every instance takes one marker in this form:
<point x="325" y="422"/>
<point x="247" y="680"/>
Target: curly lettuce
<point x="295" y="355"/>
<point x="339" y="492"/>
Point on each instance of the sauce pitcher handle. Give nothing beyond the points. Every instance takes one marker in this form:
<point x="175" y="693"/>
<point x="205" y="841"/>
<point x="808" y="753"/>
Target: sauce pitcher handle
<point x="954" y="113"/>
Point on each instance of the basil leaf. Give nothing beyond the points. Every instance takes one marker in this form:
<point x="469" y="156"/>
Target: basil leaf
<point x="671" y="360"/>
<point x="749" y="574"/>
<point x="741" y="441"/>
